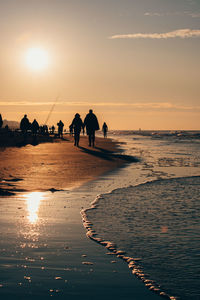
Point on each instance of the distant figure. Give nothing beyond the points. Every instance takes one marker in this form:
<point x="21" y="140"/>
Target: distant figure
<point x="77" y="125"/>
<point x="71" y="129"/>
<point x="34" y="127"/>
<point x="52" y="129"/>
<point x="60" y="129"/>
<point x="92" y="125"/>
<point x="46" y="131"/>
<point x="105" y="129"/>
<point x="24" y="125"/>
<point x="7" y="128"/>
<point x="1" y="121"/>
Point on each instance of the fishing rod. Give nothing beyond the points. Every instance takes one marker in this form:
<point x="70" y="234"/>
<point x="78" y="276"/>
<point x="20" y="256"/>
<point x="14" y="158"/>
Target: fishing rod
<point x="52" y="108"/>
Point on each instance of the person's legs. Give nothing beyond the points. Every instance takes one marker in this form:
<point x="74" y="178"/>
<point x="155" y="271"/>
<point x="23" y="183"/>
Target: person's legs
<point x="90" y="138"/>
<point x="74" y="139"/>
<point x="93" y="138"/>
<point x="78" y="138"/>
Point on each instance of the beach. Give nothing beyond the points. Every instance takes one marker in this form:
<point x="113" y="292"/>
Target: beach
<point x="57" y="165"/>
<point x="44" y="249"/>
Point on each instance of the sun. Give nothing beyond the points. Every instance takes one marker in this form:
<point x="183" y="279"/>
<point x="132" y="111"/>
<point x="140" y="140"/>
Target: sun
<point x="37" y="59"/>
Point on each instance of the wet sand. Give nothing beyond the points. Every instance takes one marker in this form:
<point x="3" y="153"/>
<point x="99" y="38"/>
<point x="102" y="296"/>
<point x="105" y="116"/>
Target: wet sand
<point x="55" y="166"/>
<point x="44" y="251"/>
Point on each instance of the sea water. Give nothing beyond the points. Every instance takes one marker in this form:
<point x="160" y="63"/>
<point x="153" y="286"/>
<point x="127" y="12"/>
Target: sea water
<point x="153" y="212"/>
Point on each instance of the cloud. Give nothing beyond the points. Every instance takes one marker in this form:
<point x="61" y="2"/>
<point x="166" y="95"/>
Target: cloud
<point x="195" y="15"/>
<point x="25" y="103"/>
<point x="175" y="13"/>
<point x="180" y="33"/>
<point x="152" y="14"/>
<point x="121" y="105"/>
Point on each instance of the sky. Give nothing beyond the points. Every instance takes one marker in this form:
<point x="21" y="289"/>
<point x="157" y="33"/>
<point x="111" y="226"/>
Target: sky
<point x="134" y="62"/>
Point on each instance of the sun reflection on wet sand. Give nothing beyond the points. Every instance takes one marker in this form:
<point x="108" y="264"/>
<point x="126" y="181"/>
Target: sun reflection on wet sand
<point x="33" y="204"/>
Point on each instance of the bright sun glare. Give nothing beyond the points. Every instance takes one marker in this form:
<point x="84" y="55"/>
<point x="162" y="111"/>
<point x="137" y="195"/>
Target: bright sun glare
<point x="33" y="203"/>
<point x="37" y="59"/>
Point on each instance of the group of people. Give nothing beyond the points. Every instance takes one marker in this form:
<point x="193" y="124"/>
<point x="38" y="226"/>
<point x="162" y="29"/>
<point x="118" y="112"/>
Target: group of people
<point x="90" y="123"/>
<point x="25" y="125"/>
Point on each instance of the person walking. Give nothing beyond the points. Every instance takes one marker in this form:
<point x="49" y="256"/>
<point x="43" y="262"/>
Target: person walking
<point x="60" y="128"/>
<point x="92" y="125"/>
<point x="77" y="125"/>
<point x="105" y="129"/>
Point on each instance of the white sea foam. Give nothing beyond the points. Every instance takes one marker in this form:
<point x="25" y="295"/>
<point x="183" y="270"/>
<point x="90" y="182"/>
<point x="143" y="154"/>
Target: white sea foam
<point x="157" y="222"/>
<point x="153" y="215"/>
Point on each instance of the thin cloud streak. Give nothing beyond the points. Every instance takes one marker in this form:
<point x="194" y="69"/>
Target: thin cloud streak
<point x="136" y="105"/>
<point x="181" y="33"/>
<point x="185" y="13"/>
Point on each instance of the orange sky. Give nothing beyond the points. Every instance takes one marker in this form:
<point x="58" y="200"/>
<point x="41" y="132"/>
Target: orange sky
<point x="136" y="65"/>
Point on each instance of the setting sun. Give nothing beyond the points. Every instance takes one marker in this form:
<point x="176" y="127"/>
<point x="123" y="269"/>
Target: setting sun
<point x="37" y="59"/>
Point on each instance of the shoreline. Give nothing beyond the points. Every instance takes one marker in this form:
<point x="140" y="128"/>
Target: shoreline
<point x="132" y="263"/>
<point x="52" y="257"/>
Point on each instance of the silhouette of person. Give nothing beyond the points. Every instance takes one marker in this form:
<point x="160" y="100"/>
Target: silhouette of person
<point x="7" y="128"/>
<point x="46" y="130"/>
<point x="1" y="121"/>
<point x="24" y="125"/>
<point x="92" y="125"/>
<point x="105" y="129"/>
<point x="60" y="128"/>
<point x="34" y="127"/>
<point x="77" y="125"/>
<point x="52" y="129"/>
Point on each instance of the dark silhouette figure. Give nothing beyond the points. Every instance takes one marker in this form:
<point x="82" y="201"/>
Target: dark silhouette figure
<point x="92" y="125"/>
<point x="7" y="129"/>
<point x="105" y="129"/>
<point x="60" y="129"/>
<point x="77" y="125"/>
<point x="34" y="127"/>
<point x="52" y="129"/>
<point x="24" y="125"/>
<point x="1" y="121"/>
<point x="46" y="131"/>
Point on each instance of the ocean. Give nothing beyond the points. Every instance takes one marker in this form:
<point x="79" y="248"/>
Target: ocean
<point x="150" y="209"/>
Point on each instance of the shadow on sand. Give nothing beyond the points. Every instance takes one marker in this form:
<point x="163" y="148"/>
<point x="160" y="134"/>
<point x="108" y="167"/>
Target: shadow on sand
<point x="109" y="155"/>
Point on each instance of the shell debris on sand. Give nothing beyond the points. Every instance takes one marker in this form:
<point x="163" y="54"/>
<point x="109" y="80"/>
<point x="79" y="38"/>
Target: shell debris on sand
<point x="120" y="252"/>
<point x="87" y="263"/>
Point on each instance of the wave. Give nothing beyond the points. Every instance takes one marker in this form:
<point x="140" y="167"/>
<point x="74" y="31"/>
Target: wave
<point x="154" y="228"/>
